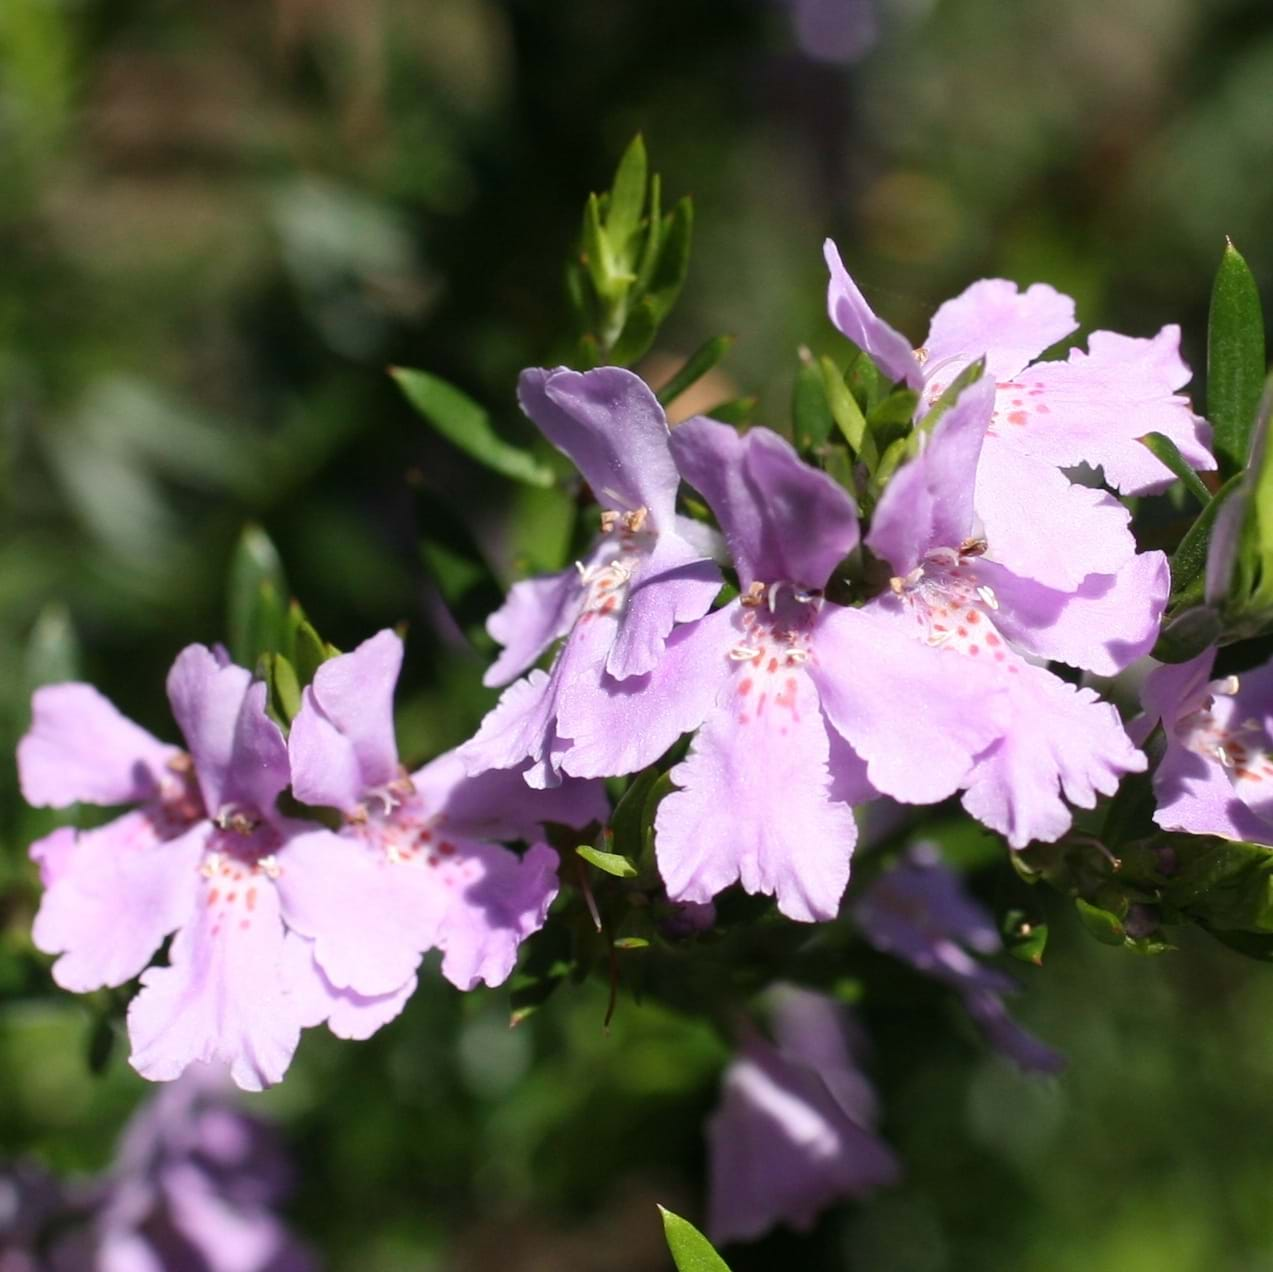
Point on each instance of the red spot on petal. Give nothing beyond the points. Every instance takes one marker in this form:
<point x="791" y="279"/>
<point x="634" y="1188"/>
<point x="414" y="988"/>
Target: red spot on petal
<point x="251" y="899"/>
<point x="424" y="836"/>
<point x="963" y="631"/>
<point x="773" y="664"/>
<point x="991" y="638"/>
<point x="213" y="895"/>
<point x="1000" y="656"/>
<point x="744" y="685"/>
<point x="244" y="924"/>
<point x="230" y="897"/>
<point x="1243" y="772"/>
<point x="611" y="604"/>
<point x="1016" y="417"/>
<point x="974" y="649"/>
<point x="1042" y="408"/>
<point x="973" y="617"/>
<point x="938" y="627"/>
<point x="760" y="705"/>
<point x="446" y="849"/>
<point x="743" y="719"/>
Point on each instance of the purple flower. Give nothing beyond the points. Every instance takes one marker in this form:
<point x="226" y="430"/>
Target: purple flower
<point x="649" y="570"/>
<point x="1091" y="408"/>
<point x="195" y="1185"/>
<point x="802" y="707"/>
<point x="919" y="912"/>
<point x="414" y="865"/>
<point x="839" y="31"/>
<point x="204" y="856"/>
<point x="952" y="588"/>
<point x="1216" y="777"/>
<point x="793" y="1132"/>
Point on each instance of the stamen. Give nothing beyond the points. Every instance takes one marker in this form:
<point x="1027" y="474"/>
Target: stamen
<point x="972" y="547"/>
<point x="742" y="653"/>
<point x="987" y="594"/>
<point x="268" y="866"/>
<point x="797" y="656"/>
<point x="180" y="763"/>
<point x="936" y="641"/>
<point x="211" y="865"/>
<point x="609" y="519"/>
<point x="1228" y="686"/>
<point x="237" y="820"/>
<point x="774" y="589"/>
<point x="754" y="594"/>
<point x="636" y="519"/>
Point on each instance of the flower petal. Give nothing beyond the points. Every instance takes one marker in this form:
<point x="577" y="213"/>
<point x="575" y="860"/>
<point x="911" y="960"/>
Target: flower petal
<point x="674" y="585"/>
<point x="1007" y="1037"/>
<point x="223" y="997"/>
<point x="498" y="804"/>
<point x="616" y="727"/>
<point x="113" y="896"/>
<point x="535" y="613"/>
<point x="258" y="771"/>
<point x="918" y="716"/>
<point x="1095" y="406"/>
<point x="754" y="806"/>
<point x="783" y="520"/>
<point x="368" y="915"/>
<point x="206" y="693"/>
<point x="853" y="317"/>
<point x="1108" y="622"/>
<point x="316" y="1001"/>
<point x="1060" y="739"/>
<point x="1042" y="526"/>
<point x="929" y="503"/>
<point x="994" y="320"/>
<point x="79" y="748"/>
<point x="613" y="428"/>
<point x="342" y="743"/>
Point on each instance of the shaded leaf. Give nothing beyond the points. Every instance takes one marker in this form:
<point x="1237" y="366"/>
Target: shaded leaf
<point x="1235" y="360"/>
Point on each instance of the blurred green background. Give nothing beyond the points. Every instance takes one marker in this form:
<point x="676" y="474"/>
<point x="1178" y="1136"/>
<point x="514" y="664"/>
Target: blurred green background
<point x="221" y="221"/>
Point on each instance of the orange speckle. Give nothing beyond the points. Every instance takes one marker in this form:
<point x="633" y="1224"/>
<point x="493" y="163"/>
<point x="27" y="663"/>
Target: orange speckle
<point x="251" y="899"/>
<point x="1243" y="772"/>
<point x="230" y="897"/>
<point x="213" y="895"/>
<point x="1016" y="417"/>
<point x="963" y="631"/>
<point x="973" y="617"/>
<point x="773" y="664"/>
<point x="610" y="605"/>
<point x="974" y="649"/>
<point x="744" y="685"/>
<point x="991" y="639"/>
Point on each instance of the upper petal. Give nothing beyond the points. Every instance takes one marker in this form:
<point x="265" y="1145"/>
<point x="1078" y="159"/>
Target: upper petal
<point x="754" y="805"/>
<point x="994" y="320"/>
<point x="80" y="748"/>
<point x="223" y="998"/>
<point x="783" y="520"/>
<point x="929" y="502"/>
<point x="258" y="771"/>
<point x="116" y="893"/>
<point x="613" y="428"/>
<point x="853" y="317"/>
<point x="535" y="613"/>
<point x="917" y="715"/>
<point x="342" y="742"/>
<point x="1044" y="527"/>
<point x="206" y="693"/>
<point x="1094" y="407"/>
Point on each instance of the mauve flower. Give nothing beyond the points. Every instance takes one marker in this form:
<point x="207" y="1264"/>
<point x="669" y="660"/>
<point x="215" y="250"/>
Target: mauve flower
<point x="838" y="31"/>
<point x="793" y="1133"/>
<point x="649" y="570"/>
<point x="802" y="707"/>
<point x="33" y="1205"/>
<point x="953" y="588"/>
<point x="918" y="911"/>
<point x="1216" y="776"/>
<point x="414" y="865"/>
<point x="1091" y="408"/>
<point x="195" y="1186"/>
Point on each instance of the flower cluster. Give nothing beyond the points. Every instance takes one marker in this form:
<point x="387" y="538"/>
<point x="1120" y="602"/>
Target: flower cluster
<point x="277" y="922"/>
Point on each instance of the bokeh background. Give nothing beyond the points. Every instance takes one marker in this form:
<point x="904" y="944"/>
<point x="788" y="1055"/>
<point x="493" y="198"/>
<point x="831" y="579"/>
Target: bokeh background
<point x="222" y="220"/>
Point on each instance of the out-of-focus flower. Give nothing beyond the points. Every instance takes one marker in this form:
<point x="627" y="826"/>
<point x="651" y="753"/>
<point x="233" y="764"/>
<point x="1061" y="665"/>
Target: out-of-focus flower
<point x="196" y="1185"/>
<point x="952" y="588"/>
<point x="32" y="1203"/>
<point x="415" y="864"/>
<point x="1216" y="776"/>
<point x="839" y="31"/>
<point x="649" y="570"/>
<point x="793" y="1133"/>
<point x="918" y="911"/>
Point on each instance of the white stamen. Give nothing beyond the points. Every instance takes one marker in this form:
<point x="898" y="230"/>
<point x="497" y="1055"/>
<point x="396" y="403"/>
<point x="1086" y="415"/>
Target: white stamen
<point x="797" y="656"/>
<point x="1227" y="686"/>
<point x="269" y="866"/>
<point x="936" y="641"/>
<point x="1223" y="756"/>
<point x="211" y="865"/>
<point x="774" y="589"/>
<point x="987" y="594"/>
<point x="585" y="571"/>
<point x="742" y="653"/>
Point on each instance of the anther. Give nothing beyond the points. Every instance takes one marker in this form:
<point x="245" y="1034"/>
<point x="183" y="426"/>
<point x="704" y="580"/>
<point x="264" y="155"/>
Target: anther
<point x="180" y="763"/>
<point x="987" y="594"/>
<point x="609" y="519"/>
<point x="237" y="820"/>
<point x="754" y="595"/>
<point x="743" y="653"/>
<point x="635" y="519"/>
<point x="972" y="547"/>
<point x="268" y="866"/>
<point x="797" y="656"/>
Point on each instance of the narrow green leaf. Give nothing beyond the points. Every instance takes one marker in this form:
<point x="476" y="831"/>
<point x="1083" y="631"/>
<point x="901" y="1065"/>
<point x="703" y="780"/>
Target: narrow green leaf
<point x="465" y="424"/>
<point x="1103" y="925"/>
<point x="598" y="257"/>
<point x="627" y="198"/>
<point x="699" y="363"/>
<point x="627" y="821"/>
<point x="844" y="408"/>
<point x="631" y="943"/>
<point x="309" y="650"/>
<point x="809" y="409"/>
<point x="668" y="275"/>
<point x="53" y="650"/>
<point x="284" y="688"/>
<point x="1164" y="449"/>
<point x="653" y="236"/>
<point x="1235" y="360"/>
<point x="1189" y="561"/>
<point x="611" y="862"/>
<point x="691" y="1251"/>
<point x="257" y="590"/>
<point x="638" y="334"/>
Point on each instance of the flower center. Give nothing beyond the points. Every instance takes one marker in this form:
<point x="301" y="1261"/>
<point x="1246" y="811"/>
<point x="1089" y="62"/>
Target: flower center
<point x="1242" y="748"/>
<point x="775" y="624"/>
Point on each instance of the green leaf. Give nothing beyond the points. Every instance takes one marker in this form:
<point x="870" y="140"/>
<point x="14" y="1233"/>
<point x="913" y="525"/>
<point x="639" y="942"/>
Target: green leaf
<point x="691" y="1251"/>
<point x="598" y="257"/>
<point x="53" y="650"/>
<point x="611" y="862"/>
<point x="845" y="410"/>
<point x="1189" y="561"/>
<point x="1164" y="449"/>
<point x="668" y="275"/>
<point x="809" y="408"/>
<point x="1106" y="927"/>
<point x="1186" y="634"/>
<point x="637" y="336"/>
<point x="309" y="650"/>
<point x="1235" y="360"/>
<point x="631" y="943"/>
<point x="699" y="363"/>
<point x="256" y="620"/>
<point x="628" y="820"/>
<point x="627" y="197"/>
<point x="653" y="236"/>
<point x="284" y="699"/>
<point x="465" y="424"/>
<point x="1025" y="939"/>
